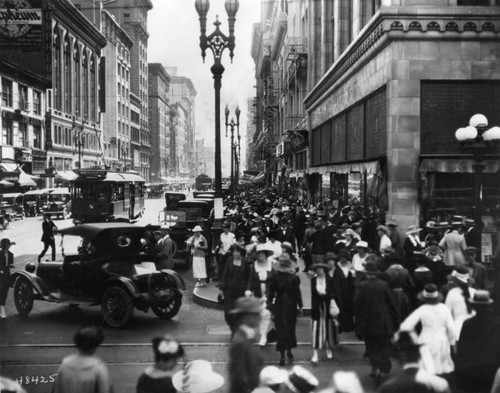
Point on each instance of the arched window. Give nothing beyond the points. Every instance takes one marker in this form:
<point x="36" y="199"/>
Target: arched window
<point x="57" y="74"/>
<point x="77" y="80"/>
<point x="85" y="77"/>
<point x="67" y="75"/>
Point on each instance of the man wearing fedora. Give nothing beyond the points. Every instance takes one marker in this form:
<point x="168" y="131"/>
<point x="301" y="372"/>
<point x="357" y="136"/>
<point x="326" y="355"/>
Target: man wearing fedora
<point x="245" y="361"/>
<point x="376" y="320"/>
<point x="478" y="348"/>
<point x="412" y="378"/>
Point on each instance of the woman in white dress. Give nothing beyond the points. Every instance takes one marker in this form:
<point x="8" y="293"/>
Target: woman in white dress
<point x="437" y="337"/>
<point x="457" y="299"/>
<point x="198" y="245"/>
<point x="263" y="268"/>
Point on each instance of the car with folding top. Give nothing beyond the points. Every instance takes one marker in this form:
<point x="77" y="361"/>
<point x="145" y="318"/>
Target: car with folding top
<point x="109" y="269"/>
<point x="11" y="205"/>
<point x="34" y="200"/>
<point x="57" y="203"/>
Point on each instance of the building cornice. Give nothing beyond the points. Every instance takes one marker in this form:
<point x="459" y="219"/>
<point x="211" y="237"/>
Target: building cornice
<point x="65" y="12"/>
<point x="406" y="23"/>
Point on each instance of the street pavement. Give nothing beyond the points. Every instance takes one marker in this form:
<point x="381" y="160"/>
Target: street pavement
<point x="32" y="348"/>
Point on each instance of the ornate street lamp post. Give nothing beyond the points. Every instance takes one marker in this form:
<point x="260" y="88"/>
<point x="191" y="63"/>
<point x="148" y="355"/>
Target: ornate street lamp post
<point x="478" y="139"/>
<point x="232" y="124"/>
<point x="217" y="42"/>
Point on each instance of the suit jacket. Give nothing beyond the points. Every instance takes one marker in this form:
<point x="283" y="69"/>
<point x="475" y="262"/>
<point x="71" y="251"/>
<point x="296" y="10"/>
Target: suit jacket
<point x="478" y="349"/>
<point x="5" y="264"/>
<point x="245" y="364"/>
<point x="288" y="236"/>
<point x="48" y="231"/>
<point x="375" y="310"/>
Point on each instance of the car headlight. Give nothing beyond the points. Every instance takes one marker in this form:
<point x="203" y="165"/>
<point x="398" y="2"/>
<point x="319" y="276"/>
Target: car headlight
<point x="91" y="207"/>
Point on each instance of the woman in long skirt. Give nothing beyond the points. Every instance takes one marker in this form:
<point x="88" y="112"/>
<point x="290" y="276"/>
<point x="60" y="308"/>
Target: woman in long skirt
<point x="324" y="332"/>
<point x="236" y="281"/>
<point x="198" y="246"/>
<point x="285" y="301"/>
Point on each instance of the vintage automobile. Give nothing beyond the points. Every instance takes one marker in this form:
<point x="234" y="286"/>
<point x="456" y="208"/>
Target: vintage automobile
<point x="57" y="202"/>
<point x="11" y="206"/>
<point x="34" y="200"/>
<point x="110" y="269"/>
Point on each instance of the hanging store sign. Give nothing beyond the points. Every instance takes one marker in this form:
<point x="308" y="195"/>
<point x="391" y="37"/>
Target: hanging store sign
<point x="20" y="26"/>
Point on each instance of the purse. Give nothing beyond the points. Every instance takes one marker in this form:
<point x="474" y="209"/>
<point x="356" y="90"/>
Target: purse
<point x="334" y="309"/>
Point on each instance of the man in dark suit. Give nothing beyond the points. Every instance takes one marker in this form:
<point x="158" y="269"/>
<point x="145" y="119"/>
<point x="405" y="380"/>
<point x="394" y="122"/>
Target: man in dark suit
<point x="478" y="349"/>
<point x="412" y="378"/>
<point x="245" y="361"/>
<point x="48" y="230"/>
<point x="285" y="234"/>
<point x="6" y="263"/>
<point x="376" y="320"/>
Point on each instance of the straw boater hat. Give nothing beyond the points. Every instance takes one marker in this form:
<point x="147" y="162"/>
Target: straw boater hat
<point x="431" y="224"/>
<point x="197" y="377"/>
<point x="461" y="276"/>
<point x="197" y="228"/>
<point x="481" y="298"/>
<point x="383" y="228"/>
<point x="361" y="244"/>
<point x="284" y="264"/>
<point x="272" y="375"/>
<point x="264" y="248"/>
<point x="413" y="229"/>
<point x="430" y="295"/>
<point x="350" y="232"/>
<point x="301" y="381"/>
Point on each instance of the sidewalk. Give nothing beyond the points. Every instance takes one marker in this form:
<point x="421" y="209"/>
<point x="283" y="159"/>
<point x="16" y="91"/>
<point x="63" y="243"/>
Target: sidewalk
<point x="207" y="296"/>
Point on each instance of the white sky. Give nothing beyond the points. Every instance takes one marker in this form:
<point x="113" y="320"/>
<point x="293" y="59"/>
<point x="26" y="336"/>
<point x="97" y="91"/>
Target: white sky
<point x="174" y="30"/>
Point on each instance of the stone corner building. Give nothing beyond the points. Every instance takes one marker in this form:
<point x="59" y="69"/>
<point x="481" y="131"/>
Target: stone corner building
<point x="396" y="79"/>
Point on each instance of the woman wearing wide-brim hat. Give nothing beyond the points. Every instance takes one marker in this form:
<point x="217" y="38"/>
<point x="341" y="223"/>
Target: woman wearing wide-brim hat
<point x="324" y="330"/>
<point x="198" y="245"/>
<point x="285" y="302"/>
<point x="198" y="376"/>
<point x="438" y="337"/>
<point x="262" y="271"/>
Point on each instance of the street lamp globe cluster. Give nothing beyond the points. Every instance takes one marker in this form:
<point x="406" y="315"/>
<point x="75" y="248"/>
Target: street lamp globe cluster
<point x="477" y="131"/>
<point x="217" y="42"/>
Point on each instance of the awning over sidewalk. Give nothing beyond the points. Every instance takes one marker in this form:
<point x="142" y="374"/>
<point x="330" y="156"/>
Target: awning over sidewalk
<point x="260" y="178"/>
<point x="444" y="165"/>
<point x="371" y="168"/>
<point x="66" y="175"/>
<point x="26" y="180"/>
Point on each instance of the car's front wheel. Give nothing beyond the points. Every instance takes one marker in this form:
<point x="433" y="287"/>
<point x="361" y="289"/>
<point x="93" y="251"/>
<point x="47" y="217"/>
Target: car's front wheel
<point x="23" y="296"/>
<point x="116" y="307"/>
<point x="170" y="309"/>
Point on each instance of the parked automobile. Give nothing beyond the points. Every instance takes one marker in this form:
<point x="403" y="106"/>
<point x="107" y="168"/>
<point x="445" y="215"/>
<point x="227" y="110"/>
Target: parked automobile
<point x="11" y="206"/>
<point x="173" y="198"/>
<point x="109" y="269"/>
<point x="34" y="200"/>
<point x="57" y="202"/>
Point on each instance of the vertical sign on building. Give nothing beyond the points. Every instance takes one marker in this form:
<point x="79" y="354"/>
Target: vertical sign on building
<point x="102" y="85"/>
<point x="47" y="44"/>
<point x="20" y="24"/>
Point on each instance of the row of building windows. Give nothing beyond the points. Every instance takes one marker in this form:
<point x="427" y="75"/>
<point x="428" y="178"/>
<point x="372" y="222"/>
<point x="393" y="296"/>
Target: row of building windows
<point x="21" y="137"/>
<point x="64" y="136"/>
<point x="26" y="102"/>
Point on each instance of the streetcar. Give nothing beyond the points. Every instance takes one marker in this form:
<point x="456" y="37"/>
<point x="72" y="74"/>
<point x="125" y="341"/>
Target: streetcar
<point x="100" y="196"/>
<point x="203" y="183"/>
